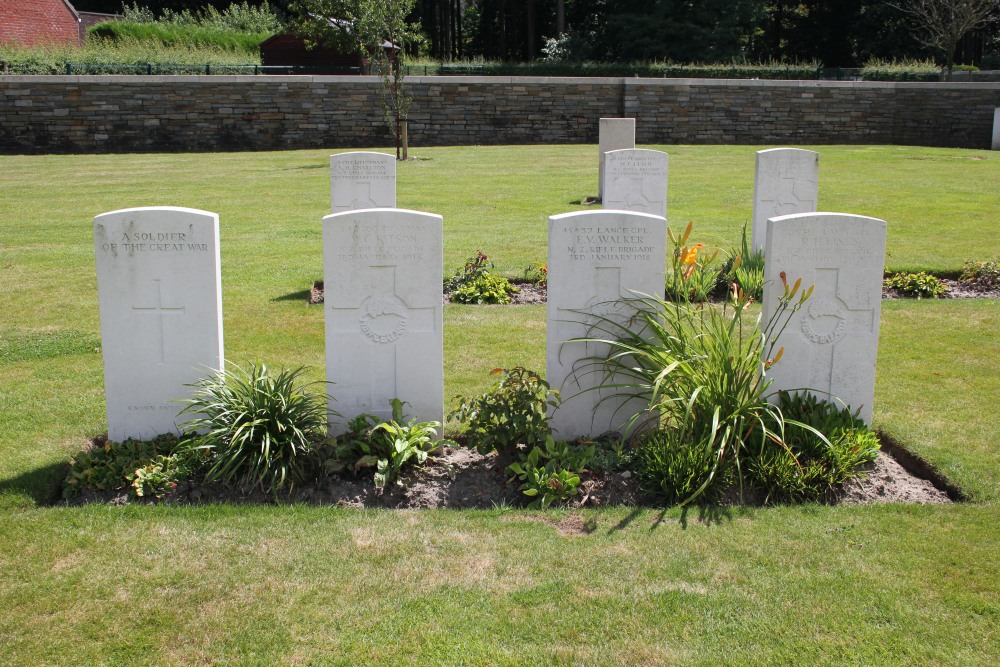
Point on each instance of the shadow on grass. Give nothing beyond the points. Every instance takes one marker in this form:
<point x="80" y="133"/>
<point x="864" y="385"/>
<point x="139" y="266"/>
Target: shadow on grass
<point x="41" y="485"/>
<point x="301" y="295"/>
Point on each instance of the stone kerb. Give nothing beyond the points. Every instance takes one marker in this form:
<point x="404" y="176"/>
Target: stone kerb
<point x="382" y="303"/>
<point x="635" y="179"/>
<point x="160" y="298"/>
<point x="786" y="181"/>
<point x="595" y="259"/>
<point x="613" y="134"/>
<point x="362" y="179"/>
<point x="831" y="343"/>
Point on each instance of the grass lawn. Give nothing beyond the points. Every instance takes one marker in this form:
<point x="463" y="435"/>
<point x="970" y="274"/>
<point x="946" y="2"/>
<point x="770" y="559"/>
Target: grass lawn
<point x="315" y="585"/>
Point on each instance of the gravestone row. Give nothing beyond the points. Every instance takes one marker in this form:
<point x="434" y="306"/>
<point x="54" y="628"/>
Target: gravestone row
<point x="161" y="316"/>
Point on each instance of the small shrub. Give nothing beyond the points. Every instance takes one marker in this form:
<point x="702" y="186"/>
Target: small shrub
<point x="387" y="447"/>
<point x="256" y="428"/>
<point x="981" y="274"/>
<point x="823" y="446"/>
<point x="537" y="273"/>
<point x="612" y="454"/>
<point x="474" y="283"/>
<point x="160" y="477"/>
<point x="113" y="466"/>
<point x="513" y="412"/>
<point x="900" y="70"/>
<point x="484" y="288"/>
<point x="550" y="473"/>
<point x="919" y="285"/>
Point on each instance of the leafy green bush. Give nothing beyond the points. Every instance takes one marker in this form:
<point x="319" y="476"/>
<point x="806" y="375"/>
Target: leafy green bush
<point x="474" y="283"/>
<point x="699" y="371"/>
<point x="919" y="285"/>
<point x="257" y="429"/>
<point x="484" y="288"/>
<point x="981" y="274"/>
<point x="386" y="446"/>
<point x="537" y="273"/>
<point x="177" y="35"/>
<point x="159" y="477"/>
<point x="823" y="446"/>
<point x="900" y="70"/>
<point x="114" y="466"/>
<point x="513" y="412"/>
<point x="550" y="473"/>
<point x="771" y="70"/>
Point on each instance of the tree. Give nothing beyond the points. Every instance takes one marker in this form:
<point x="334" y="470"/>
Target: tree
<point x="941" y="24"/>
<point x="377" y="29"/>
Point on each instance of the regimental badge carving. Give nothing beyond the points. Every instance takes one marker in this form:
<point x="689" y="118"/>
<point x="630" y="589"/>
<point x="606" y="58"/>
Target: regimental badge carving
<point x="384" y="319"/>
<point x="825" y="321"/>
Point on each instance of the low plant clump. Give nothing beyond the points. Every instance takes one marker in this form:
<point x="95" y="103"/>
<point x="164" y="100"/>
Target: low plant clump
<point x="708" y="427"/>
<point x="981" y="275"/>
<point x="476" y="283"/>
<point x="921" y="285"/>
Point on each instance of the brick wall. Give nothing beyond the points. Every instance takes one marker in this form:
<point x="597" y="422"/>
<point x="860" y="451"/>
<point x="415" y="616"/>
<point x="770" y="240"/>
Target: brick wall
<point x="31" y="22"/>
<point x="75" y="114"/>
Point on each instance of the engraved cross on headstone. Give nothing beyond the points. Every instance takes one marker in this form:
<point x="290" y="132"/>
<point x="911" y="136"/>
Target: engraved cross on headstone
<point x="159" y="310"/>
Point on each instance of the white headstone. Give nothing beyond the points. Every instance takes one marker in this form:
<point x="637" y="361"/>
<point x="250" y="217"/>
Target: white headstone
<point x="361" y="180"/>
<point x="595" y="258"/>
<point x="996" y="130"/>
<point x="613" y="134"/>
<point x="635" y="179"/>
<point x="831" y="343"/>
<point x="786" y="181"/>
<point x="382" y="294"/>
<point x="160" y="296"/>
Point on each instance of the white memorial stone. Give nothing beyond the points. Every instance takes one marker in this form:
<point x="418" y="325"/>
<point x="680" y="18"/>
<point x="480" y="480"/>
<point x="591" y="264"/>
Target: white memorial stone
<point x="635" y="179"/>
<point x="613" y="134"/>
<point x="996" y="130"/>
<point x="595" y="258"/>
<point x="160" y="296"/>
<point x="786" y="181"/>
<point x="831" y="343"/>
<point x="362" y="179"/>
<point x="382" y="276"/>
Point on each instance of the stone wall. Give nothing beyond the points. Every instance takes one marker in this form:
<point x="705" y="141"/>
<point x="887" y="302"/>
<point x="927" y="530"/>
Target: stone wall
<point x="76" y="114"/>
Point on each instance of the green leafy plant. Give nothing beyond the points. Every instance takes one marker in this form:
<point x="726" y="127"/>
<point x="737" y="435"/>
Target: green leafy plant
<point x="112" y="466"/>
<point x="257" y="429"/>
<point x="984" y="274"/>
<point x="550" y="473"/>
<point x="475" y="283"/>
<point x="537" y="273"/>
<point x="693" y="275"/>
<point x="612" y="453"/>
<point x="745" y="267"/>
<point x="823" y="446"/>
<point x="484" y="288"/>
<point x="513" y="412"/>
<point x="385" y="446"/>
<point x="672" y="464"/>
<point x="160" y="477"/>
<point x="701" y="371"/>
<point x="919" y="285"/>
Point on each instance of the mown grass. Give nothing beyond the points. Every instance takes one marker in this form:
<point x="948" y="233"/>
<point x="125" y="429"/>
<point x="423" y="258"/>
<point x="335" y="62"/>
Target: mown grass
<point x="291" y="585"/>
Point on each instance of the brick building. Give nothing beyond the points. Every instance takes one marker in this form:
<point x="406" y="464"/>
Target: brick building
<point x="31" y="22"/>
